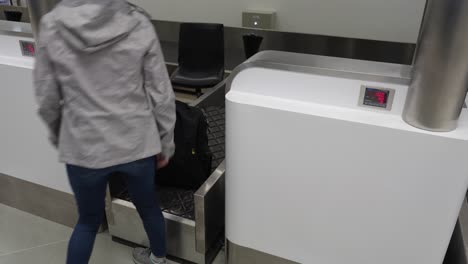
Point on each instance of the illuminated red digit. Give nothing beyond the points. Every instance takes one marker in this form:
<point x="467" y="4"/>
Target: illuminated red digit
<point x="31" y="48"/>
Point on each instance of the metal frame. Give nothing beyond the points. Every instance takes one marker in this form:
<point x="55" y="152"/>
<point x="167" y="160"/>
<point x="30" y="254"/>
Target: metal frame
<point x="437" y="92"/>
<point x="125" y="224"/>
<point x="326" y="66"/>
<point x="238" y="254"/>
<point x="18" y="29"/>
<point x="192" y="240"/>
<point x="38" y="8"/>
<point x="208" y="221"/>
<point x="39" y="200"/>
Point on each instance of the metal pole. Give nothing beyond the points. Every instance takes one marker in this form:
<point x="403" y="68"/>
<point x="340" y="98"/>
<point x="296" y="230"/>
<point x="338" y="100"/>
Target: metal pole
<point x="38" y="8"/>
<point x="440" y="77"/>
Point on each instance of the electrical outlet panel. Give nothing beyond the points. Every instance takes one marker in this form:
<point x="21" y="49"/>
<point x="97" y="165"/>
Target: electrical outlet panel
<point x="259" y="19"/>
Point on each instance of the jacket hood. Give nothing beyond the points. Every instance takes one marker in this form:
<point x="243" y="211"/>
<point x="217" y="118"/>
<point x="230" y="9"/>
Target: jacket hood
<point x="91" y="25"/>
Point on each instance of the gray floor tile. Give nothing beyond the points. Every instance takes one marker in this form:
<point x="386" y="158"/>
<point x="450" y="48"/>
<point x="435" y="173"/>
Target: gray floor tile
<point x="25" y="238"/>
<point x="20" y="230"/>
<point x="48" y="254"/>
<point x="220" y="259"/>
<point x="107" y="251"/>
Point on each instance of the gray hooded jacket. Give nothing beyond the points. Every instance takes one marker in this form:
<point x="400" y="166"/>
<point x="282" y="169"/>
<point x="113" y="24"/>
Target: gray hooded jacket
<point x="102" y="85"/>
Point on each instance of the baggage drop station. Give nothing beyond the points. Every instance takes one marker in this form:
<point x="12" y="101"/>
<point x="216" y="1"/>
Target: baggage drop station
<point x="194" y="217"/>
<point x="331" y="160"/>
<point x="327" y="171"/>
<point x="315" y="159"/>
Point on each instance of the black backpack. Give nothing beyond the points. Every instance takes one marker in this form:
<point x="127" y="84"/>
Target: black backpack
<point x="191" y="164"/>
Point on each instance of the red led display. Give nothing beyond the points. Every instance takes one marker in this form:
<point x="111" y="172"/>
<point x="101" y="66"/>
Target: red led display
<point x="381" y="97"/>
<point x="376" y="97"/>
<point x="31" y="49"/>
<point x="28" y="48"/>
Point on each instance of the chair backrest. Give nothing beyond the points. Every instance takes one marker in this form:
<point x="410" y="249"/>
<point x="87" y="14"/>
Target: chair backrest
<point x="201" y="47"/>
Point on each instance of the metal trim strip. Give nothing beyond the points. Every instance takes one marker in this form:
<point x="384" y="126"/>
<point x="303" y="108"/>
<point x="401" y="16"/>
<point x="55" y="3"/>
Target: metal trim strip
<point x="236" y="254"/>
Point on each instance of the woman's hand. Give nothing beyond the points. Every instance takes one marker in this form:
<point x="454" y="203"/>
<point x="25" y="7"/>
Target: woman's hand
<point x="161" y="161"/>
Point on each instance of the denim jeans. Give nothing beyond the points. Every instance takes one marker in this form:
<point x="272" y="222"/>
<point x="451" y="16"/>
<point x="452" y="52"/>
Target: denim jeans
<point x="89" y="186"/>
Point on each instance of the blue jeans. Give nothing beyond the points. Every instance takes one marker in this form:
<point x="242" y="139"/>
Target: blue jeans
<point x="89" y="186"/>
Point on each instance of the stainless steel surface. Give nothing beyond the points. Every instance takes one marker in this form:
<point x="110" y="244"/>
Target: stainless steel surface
<point x="338" y="65"/>
<point x="456" y="250"/>
<point x="184" y="236"/>
<point x="127" y="225"/>
<point x="390" y="98"/>
<point x="214" y="97"/>
<point x="401" y="53"/>
<point x="38" y="8"/>
<point x="236" y="254"/>
<point x="327" y="66"/>
<point x="108" y="208"/>
<point x="20" y="3"/>
<point x="195" y="241"/>
<point x="440" y="80"/>
<point x="210" y="197"/>
<point x="210" y="210"/>
<point x="38" y="200"/>
<point x="463" y="220"/>
<point x="18" y="29"/>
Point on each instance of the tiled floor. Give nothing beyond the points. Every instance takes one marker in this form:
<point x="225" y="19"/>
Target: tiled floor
<point x="26" y="239"/>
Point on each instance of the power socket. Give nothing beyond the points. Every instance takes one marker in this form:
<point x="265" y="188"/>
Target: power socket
<point x="259" y="19"/>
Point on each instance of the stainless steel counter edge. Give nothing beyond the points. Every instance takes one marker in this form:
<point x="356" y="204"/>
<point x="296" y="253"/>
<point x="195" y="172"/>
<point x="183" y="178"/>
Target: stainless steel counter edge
<point x="167" y="216"/>
<point x="239" y="254"/>
<point x="17" y="29"/>
<point x="463" y="218"/>
<point x="327" y="66"/>
<point x="210" y="210"/>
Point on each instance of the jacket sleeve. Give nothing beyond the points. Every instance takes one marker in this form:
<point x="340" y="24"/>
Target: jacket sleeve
<point x="47" y="89"/>
<point x="161" y="93"/>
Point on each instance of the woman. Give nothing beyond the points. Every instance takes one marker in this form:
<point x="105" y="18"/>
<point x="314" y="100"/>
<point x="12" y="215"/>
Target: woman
<point x="105" y="95"/>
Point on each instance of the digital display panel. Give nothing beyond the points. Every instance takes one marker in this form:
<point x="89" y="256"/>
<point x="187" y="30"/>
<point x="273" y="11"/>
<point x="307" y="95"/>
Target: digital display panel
<point x="376" y="97"/>
<point x="28" y="48"/>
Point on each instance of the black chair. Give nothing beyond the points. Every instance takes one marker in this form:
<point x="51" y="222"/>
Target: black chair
<point x="201" y="57"/>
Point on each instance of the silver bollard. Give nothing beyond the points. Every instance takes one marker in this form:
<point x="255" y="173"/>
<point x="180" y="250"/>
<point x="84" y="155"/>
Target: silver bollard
<point x="38" y="8"/>
<point x="440" y="77"/>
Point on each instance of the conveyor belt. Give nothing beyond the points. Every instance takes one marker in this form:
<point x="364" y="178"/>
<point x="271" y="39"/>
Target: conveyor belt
<point x="177" y="202"/>
<point x="174" y="201"/>
<point x="216" y="117"/>
<point x="180" y="202"/>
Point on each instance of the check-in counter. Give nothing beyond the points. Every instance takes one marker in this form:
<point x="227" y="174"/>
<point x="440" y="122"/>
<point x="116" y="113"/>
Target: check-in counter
<point x="25" y="152"/>
<point x="31" y="178"/>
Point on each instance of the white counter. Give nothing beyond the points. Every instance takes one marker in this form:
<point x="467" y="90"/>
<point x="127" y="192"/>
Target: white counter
<point x="25" y="152"/>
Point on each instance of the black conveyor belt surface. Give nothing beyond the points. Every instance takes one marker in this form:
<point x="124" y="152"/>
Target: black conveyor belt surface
<point x="180" y="202"/>
<point x="216" y="117"/>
